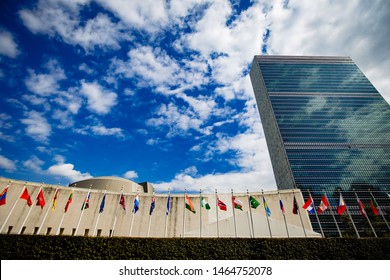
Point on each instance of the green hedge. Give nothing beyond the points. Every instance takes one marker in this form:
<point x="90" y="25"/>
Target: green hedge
<point x="34" y="247"/>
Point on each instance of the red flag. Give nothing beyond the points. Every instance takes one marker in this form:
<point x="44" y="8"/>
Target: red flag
<point x="374" y="205"/>
<point x="40" y="199"/>
<point x="361" y="207"/>
<point x="69" y="201"/>
<point x="3" y="196"/>
<point x="25" y="195"/>
<point x="221" y="205"/>
<point x="122" y="202"/>
<point x="342" y="207"/>
<point x="324" y="204"/>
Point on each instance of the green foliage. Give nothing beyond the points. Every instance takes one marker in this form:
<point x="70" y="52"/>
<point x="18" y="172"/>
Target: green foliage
<point x="36" y="247"/>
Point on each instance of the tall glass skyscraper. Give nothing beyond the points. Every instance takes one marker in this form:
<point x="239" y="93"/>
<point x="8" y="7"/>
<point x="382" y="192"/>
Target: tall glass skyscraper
<point x="328" y="132"/>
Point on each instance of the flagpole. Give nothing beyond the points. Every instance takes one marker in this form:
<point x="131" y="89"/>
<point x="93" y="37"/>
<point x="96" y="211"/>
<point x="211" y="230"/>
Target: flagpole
<point x="13" y="207"/>
<point x="150" y="217"/>
<point x="350" y="217"/>
<point x="251" y="232"/>
<point x="381" y="212"/>
<point x="116" y="213"/>
<point x="47" y="211"/>
<point x="82" y="210"/>
<point x="368" y="220"/>
<point x="29" y="211"/>
<point x="184" y="214"/>
<point x="299" y="214"/>
<point x="266" y="214"/>
<point x="97" y="220"/>
<point x="334" y="218"/>
<point x="216" y="209"/>
<point x="200" y="213"/>
<point x="167" y="213"/>
<point x="132" y="217"/>
<point x="315" y="212"/>
<point x="284" y="217"/>
<point x="234" y="217"/>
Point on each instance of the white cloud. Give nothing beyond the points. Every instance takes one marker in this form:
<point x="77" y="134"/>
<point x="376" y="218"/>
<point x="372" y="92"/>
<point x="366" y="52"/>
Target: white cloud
<point x="7" y="164"/>
<point x="131" y="174"/>
<point x="37" y="126"/>
<point x="100" y="100"/>
<point x="34" y="164"/>
<point x="66" y="170"/>
<point x="8" y="47"/>
<point x="100" y="130"/>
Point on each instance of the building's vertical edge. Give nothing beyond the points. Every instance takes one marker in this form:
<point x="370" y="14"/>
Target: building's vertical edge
<point x="280" y="164"/>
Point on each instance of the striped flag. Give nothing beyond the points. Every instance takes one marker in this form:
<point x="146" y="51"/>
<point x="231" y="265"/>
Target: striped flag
<point x="281" y="205"/>
<point x="204" y="203"/>
<point x="69" y="202"/>
<point x="309" y="205"/>
<point x="374" y="205"/>
<point x="86" y="202"/>
<point x="3" y="196"/>
<point x="361" y="207"/>
<point x="53" y="207"/>
<point x="237" y="203"/>
<point x="221" y="205"/>
<point x="324" y="204"/>
<point x="267" y="210"/>
<point x="189" y="204"/>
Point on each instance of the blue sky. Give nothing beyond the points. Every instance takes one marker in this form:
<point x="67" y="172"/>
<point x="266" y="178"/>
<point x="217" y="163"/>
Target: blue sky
<point x="159" y="91"/>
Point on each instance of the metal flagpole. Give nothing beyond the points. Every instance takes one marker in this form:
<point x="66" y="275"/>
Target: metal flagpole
<point x="59" y="226"/>
<point x="13" y="207"/>
<point x="252" y="233"/>
<point x="368" y="220"/>
<point x="97" y="220"/>
<point x="299" y="214"/>
<point x="167" y="212"/>
<point x="150" y="217"/>
<point x="353" y="224"/>
<point x="381" y="212"/>
<point x="284" y="217"/>
<point x="266" y="214"/>
<point x="216" y="209"/>
<point x="200" y="213"/>
<point x="234" y="217"/>
<point x="29" y="211"/>
<point x="184" y="214"/>
<point x="47" y="211"/>
<point x="315" y="212"/>
<point x="82" y="210"/>
<point x="132" y="217"/>
<point x="116" y="213"/>
<point x="334" y="218"/>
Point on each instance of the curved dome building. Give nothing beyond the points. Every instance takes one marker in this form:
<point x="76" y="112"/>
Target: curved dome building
<point x="114" y="184"/>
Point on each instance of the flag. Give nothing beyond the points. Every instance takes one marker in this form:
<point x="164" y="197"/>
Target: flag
<point x="374" y="205"/>
<point x="324" y="204"/>
<point x="295" y="206"/>
<point x="69" y="201"/>
<point x="221" y="205"/>
<point x="102" y="203"/>
<point x="236" y="203"/>
<point x="86" y="202"/>
<point x="152" y="205"/>
<point x="204" y="203"/>
<point x="168" y="205"/>
<point x="136" y="204"/>
<point x="40" y="199"/>
<point x="3" y="196"/>
<point x="309" y="205"/>
<point x="25" y="195"/>
<point x="342" y="207"/>
<point x="189" y="205"/>
<point x="254" y="203"/>
<point x="266" y="207"/>
<point x="53" y="207"/>
<point x="281" y="205"/>
<point x="122" y="202"/>
<point x="361" y="207"/>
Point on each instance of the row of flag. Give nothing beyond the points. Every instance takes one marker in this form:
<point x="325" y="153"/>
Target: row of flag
<point x="237" y="204"/>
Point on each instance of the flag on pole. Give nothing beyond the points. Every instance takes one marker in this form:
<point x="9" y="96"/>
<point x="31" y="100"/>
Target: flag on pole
<point x="204" y="203"/>
<point x="136" y="204"/>
<point x="281" y="205"/>
<point x="189" y="204"/>
<point x="237" y="203"/>
<point x="361" y="207"/>
<point x="40" y="199"/>
<point x="324" y="204"/>
<point x="53" y="207"/>
<point x="221" y="205"/>
<point x="267" y="210"/>
<point x="168" y="205"/>
<point x="309" y="205"/>
<point x="102" y="203"/>
<point x="86" y="202"/>
<point x="3" y="196"/>
<point x="374" y="205"/>
<point x="122" y="202"/>
<point x="69" y="201"/>
<point x="152" y="205"/>
<point x="254" y="203"/>
<point x="342" y="206"/>
<point x="295" y="206"/>
<point x="25" y="195"/>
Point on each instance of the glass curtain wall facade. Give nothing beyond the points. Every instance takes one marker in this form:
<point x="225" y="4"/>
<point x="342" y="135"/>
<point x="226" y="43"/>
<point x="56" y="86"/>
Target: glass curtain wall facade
<point x="328" y="131"/>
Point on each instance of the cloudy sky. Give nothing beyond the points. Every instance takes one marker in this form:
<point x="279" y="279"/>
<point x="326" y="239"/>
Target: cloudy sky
<point x="159" y="91"/>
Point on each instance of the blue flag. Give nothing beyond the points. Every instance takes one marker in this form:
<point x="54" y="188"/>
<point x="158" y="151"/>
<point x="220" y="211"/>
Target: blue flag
<point x="136" y="204"/>
<point x="152" y="205"/>
<point x="168" y="205"/>
<point x="266" y="207"/>
<point x="102" y="204"/>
